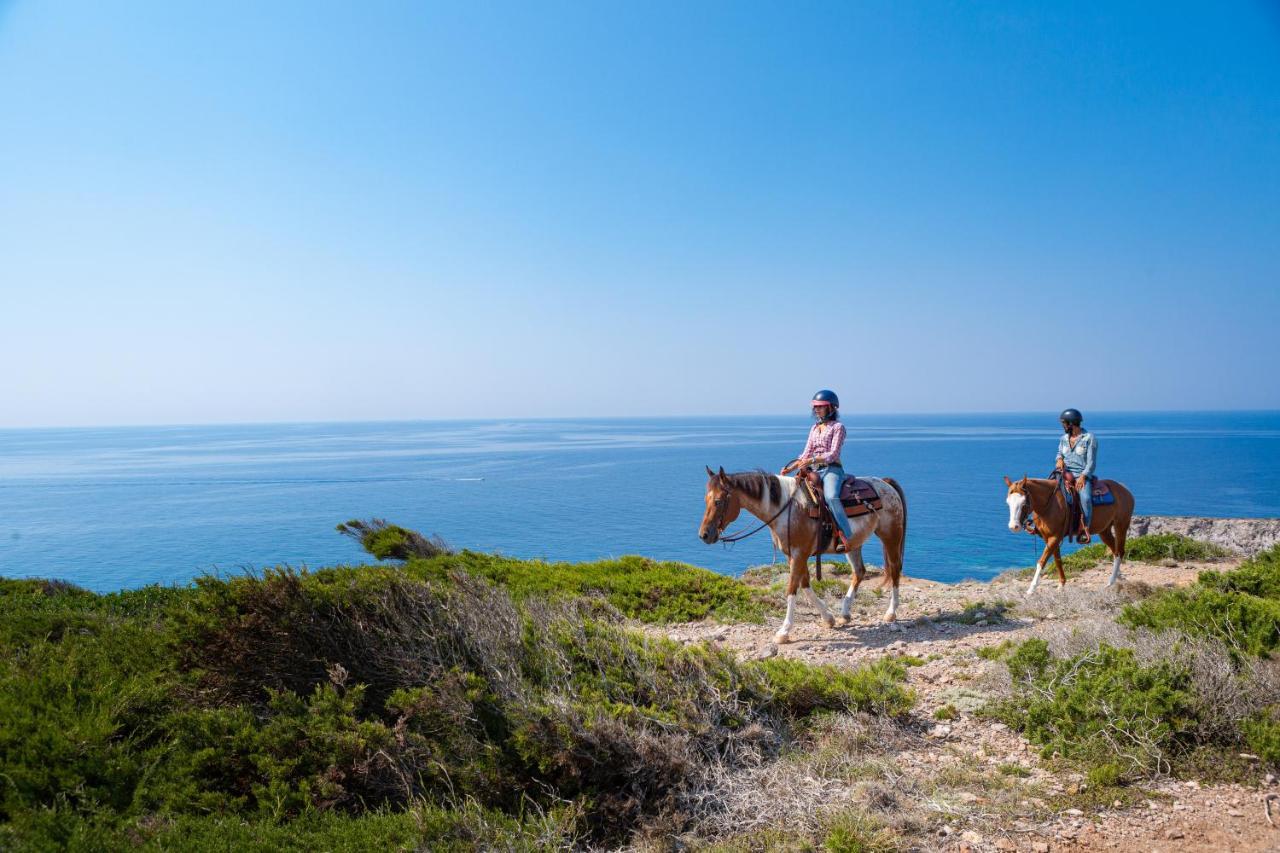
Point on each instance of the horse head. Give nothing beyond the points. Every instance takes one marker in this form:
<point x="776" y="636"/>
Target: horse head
<point x="1019" y="503"/>
<point x="722" y="509"/>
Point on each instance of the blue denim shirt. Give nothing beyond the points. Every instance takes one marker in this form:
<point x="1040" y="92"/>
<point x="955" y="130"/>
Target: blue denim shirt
<point x="1083" y="458"/>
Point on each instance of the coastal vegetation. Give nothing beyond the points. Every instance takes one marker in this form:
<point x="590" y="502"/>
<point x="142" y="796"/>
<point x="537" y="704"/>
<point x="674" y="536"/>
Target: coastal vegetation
<point x="458" y="701"/>
<point x="455" y="701"/>
<point x="1188" y="678"/>
<point x="1153" y="548"/>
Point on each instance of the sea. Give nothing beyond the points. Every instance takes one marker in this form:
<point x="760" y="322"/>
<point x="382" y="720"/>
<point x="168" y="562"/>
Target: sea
<point x="122" y="507"/>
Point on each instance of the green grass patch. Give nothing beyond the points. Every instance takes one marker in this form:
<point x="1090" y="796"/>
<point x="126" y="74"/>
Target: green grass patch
<point x="643" y="589"/>
<point x="980" y="611"/>
<point x="996" y="652"/>
<point x="1154" y="548"/>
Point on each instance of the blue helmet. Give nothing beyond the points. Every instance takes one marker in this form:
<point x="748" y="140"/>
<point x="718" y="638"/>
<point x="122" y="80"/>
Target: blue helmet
<point x="1071" y="416"/>
<point x="828" y="397"/>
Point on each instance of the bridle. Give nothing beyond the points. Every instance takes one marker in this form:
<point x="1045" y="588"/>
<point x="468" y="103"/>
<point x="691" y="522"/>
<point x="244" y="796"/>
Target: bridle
<point x="718" y="519"/>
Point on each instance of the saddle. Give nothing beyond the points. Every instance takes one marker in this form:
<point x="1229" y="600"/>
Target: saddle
<point x="858" y="497"/>
<point x="1100" y="495"/>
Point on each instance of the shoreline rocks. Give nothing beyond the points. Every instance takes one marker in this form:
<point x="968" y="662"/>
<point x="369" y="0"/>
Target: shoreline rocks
<point x="1246" y="536"/>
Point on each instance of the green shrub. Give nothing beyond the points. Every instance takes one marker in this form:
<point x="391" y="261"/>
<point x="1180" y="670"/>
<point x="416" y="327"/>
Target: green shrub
<point x="1241" y="607"/>
<point x="392" y="542"/>
<point x="1262" y="735"/>
<point x="799" y="689"/>
<point x="1163" y="546"/>
<point x="1102" y="706"/>
<point x="257" y="710"/>
<point x="1152" y="548"/>
<point x="640" y="588"/>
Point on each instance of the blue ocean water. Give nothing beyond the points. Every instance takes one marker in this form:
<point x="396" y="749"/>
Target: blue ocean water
<point x="122" y="507"/>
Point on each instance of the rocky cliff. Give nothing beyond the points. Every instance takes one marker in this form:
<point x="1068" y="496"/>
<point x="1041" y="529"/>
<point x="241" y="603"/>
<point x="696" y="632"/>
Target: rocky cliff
<point x="1242" y="535"/>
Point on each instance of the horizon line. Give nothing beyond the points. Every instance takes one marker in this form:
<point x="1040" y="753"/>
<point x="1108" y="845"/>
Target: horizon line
<point x="548" y="418"/>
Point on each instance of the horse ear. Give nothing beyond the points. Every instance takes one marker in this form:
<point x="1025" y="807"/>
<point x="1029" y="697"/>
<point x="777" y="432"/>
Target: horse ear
<point x="710" y="473"/>
<point x="1024" y="479"/>
<point x="722" y="474"/>
<point x="1008" y="482"/>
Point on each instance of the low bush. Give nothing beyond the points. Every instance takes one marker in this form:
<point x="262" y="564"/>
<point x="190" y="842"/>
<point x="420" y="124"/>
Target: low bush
<point x="1241" y="607"/>
<point x="643" y="589"/>
<point x="1103" y="706"/>
<point x="1153" y="548"/>
<point x="1192" y="680"/>
<point x="392" y="542"/>
<point x="800" y="689"/>
<point x="337" y="702"/>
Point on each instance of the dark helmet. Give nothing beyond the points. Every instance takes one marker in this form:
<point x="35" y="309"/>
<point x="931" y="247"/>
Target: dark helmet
<point x="1072" y="416"/>
<point x="828" y="397"/>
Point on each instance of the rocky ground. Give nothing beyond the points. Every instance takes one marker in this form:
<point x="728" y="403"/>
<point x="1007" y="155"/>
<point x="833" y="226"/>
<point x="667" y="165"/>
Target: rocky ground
<point x="974" y="784"/>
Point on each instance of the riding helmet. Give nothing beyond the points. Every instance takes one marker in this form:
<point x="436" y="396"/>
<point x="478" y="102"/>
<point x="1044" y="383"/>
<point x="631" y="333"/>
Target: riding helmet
<point x="1072" y="416"/>
<point x="828" y="397"/>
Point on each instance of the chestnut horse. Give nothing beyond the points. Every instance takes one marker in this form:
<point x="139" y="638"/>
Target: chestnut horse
<point x="1044" y="498"/>
<point x="782" y="503"/>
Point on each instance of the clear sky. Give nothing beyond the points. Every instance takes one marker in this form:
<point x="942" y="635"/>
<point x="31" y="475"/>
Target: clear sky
<point x="249" y="211"/>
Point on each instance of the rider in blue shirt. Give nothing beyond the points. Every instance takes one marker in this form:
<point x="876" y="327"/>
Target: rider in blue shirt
<point x="1078" y="453"/>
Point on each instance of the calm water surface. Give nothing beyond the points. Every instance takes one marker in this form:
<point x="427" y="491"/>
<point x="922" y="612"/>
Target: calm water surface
<point x="123" y="507"/>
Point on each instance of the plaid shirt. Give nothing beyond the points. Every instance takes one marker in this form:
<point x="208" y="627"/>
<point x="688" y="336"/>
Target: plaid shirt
<point x="825" y="441"/>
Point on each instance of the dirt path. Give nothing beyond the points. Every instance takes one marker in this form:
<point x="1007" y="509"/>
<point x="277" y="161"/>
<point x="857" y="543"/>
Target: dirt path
<point x="985" y="783"/>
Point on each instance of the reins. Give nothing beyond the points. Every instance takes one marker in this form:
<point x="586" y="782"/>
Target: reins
<point x="738" y="537"/>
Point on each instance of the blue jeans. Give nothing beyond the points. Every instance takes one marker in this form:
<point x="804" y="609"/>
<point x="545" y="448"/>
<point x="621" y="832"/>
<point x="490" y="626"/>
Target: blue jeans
<point x="1086" y="500"/>
<point x="832" y="480"/>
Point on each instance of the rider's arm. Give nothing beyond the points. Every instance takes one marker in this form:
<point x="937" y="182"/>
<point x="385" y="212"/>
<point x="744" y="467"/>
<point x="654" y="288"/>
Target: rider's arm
<point x="1090" y="457"/>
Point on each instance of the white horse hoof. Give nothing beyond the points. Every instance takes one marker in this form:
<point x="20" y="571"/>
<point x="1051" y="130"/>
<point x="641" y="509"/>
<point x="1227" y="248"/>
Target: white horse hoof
<point x="1030" y="592"/>
<point x="845" y="618"/>
<point x="782" y="639"/>
<point x="888" y="618"/>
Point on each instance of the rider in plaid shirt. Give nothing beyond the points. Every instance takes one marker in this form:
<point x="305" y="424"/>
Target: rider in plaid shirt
<point x="826" y="438"/>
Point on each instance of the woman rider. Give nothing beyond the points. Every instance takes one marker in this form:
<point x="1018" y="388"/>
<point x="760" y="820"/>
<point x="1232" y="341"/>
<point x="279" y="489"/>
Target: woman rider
<point x="826" y="437"/>
<point x="1078" y="453"/>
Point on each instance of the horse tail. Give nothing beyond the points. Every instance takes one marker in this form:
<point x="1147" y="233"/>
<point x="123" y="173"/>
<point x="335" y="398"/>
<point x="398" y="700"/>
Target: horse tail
<point x="902" y="496"/>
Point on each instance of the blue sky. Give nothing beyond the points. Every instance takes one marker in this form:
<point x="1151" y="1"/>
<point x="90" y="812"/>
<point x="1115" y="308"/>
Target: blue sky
<point x="224" y="212"/>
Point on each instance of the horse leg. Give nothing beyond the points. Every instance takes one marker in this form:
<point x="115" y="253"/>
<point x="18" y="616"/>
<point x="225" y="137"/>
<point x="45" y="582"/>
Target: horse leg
<point x="855" y="580"/>
<point x="799" y="572"/>
<point x="1044" y="558"/>
<point x="1057" y="562"/>
<point x="1117" y="550"/>
<point x="818" y="603"/>
<point x="892" y="572"/>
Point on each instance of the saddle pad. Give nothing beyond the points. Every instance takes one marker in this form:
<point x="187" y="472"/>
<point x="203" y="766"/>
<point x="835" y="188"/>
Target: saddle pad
<point x="854" y="493"/>
<point x="855" y="490"/>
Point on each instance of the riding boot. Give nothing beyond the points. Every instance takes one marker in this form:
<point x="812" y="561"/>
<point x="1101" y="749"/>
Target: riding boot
<point x="842" y="543"/>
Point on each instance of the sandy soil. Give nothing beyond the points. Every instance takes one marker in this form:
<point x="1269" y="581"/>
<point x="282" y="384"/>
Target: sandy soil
<point x="1164" y="815"/>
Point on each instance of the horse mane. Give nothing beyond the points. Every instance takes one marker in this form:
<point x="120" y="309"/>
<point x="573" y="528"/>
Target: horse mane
<point x="754" y="483"/>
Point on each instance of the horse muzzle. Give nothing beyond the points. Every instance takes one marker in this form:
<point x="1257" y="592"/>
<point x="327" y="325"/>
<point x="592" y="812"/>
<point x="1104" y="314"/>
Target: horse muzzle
<point x="709" y="535"/>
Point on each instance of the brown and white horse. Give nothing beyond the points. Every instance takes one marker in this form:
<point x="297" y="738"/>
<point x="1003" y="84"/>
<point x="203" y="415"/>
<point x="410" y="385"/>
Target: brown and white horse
<point x="773" y="498"/>
<point x="1044" y="498"/>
